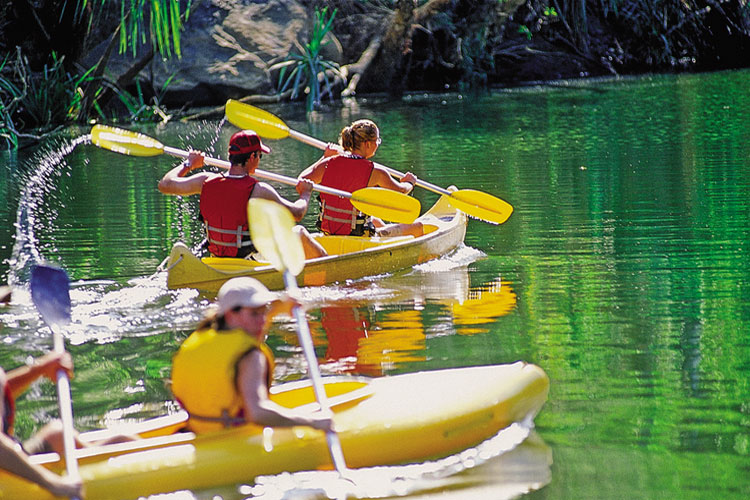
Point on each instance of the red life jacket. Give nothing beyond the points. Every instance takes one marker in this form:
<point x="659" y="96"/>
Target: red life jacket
<point x="9" y="412"/>
<point x="347" y="173"/>
<point x="223" y="206"/>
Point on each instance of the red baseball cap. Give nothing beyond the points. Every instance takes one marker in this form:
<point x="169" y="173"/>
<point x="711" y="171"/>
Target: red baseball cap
<point x="246" y="141"/>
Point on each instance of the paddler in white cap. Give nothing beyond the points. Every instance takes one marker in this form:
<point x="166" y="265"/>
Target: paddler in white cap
<point x="222" y="372"/>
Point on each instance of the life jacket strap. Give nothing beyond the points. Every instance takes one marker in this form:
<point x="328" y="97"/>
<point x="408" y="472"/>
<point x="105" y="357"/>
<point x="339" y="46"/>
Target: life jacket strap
<point x="239" y="233"/>
<point x="353" y="217"/>
<point x="225" y="419"/>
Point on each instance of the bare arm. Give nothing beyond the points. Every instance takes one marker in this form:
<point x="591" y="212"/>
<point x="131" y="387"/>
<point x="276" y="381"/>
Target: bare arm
<point x="381" y="178"/>
<point x="251" y="380"/>
<point x="298" y="208"/>
<point x="315" y="171"/>
<point x="15" y="461"/>
<point x="21" y="378"/>
<point x="175" y="181"/>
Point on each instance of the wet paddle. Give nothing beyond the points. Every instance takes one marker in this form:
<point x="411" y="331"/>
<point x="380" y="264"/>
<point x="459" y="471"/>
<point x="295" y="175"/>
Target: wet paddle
<point x="383" y="203"/>
<point x="49" y="292"/>
<point x="475" y="203"/>
<point x="271" y="231"/>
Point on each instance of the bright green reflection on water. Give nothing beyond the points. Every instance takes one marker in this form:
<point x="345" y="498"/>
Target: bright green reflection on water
<point x="624" y="271"/>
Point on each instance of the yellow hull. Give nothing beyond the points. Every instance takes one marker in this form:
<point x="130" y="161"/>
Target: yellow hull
<point x="349" y="257"/>
<point x="390" y="420"/>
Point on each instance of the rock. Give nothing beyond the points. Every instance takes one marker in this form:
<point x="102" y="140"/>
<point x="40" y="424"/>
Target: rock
<point x="227" y="49"/>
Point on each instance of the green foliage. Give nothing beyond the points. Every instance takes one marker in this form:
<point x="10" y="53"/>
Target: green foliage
<point x="9" y="95"/>
<point x="141" y="109"/>
<point x="160" y="19"/>
<point x="40" y="99"/>
<point x="303" y="71"/>
<point x="653" y="34"/>
<point x="524" y="30"/>
<point x="53" y="96"/>
<point x="157" y="21"/>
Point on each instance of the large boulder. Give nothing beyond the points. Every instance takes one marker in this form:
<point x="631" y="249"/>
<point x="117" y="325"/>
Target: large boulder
<point x="227" y="49"/>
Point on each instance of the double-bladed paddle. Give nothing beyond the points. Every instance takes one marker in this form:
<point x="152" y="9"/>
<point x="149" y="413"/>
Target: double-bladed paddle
<point x="271" y="231"/>
<point x="383" y="203"/>
<point x="49" y="292"/>
<point x="470" y="201"/>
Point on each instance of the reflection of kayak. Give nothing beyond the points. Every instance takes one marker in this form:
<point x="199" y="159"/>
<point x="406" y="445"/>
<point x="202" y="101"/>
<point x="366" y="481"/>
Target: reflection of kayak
<point x="350" y="257"/>
<point x="398" y="336"/>
<point x="389" y="420"/>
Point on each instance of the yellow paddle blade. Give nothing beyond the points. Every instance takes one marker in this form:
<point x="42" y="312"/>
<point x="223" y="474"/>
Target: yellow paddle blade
<point x="125" y="141"/>
<point x="246" y="116"/>
<point x="386" y="204"/>
<point x="481" y="205"/>
<point x="271" y="227"/>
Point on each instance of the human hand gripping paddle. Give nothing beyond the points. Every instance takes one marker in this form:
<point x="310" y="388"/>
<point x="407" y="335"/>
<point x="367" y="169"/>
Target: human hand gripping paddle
<point x="475" y="203"/>
<point x="383" y="203"/>
<point x="271" y="231"/>
<point x="49" y="292"/>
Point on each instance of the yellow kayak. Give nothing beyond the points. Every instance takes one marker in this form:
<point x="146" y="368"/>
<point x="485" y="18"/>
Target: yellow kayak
<point x="399" y="419"/>
<point x="349" y="257"/>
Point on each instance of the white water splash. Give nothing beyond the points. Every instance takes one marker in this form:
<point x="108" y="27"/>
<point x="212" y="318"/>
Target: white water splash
<point x="37" y="188"/>
<point x="461" y="257"/>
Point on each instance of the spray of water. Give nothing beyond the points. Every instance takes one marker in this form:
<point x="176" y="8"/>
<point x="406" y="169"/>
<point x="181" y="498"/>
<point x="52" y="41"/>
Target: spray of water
<point x="39" y="184"/>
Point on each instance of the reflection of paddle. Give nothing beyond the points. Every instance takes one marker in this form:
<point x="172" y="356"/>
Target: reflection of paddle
<point x="383" y="203"/>
<point x="271" y="231"/>
<point x="470" y="201"/>
<point x="49" y="291"/>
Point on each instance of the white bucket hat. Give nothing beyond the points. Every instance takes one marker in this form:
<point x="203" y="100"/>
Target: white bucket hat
<point x="243" y="292"/>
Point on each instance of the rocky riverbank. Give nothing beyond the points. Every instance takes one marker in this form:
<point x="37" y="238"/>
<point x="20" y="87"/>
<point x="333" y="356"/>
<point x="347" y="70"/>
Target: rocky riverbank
<point x="229" y="47"/>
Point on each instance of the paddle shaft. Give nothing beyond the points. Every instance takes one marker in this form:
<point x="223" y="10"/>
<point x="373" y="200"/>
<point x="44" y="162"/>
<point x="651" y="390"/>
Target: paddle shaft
<point x="474" y="203"/>
<point x="305" y="340"/>
<point x="51" y="296"/>
<point x="263" y="174"/>
<point x="66" y="408"/>
<point x="312" y="141"/>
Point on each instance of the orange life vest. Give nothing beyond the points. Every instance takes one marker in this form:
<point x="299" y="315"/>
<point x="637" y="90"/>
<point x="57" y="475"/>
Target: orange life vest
<point x="347" y="173"/>
<point x="223" y="206"/>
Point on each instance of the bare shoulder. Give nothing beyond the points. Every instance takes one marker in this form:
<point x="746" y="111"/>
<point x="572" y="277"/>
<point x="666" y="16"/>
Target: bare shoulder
<point x="253" y="364"/>
<point x="381" y="177"/>
<point x="206" y="176"/>
<point x="266" y="191"/>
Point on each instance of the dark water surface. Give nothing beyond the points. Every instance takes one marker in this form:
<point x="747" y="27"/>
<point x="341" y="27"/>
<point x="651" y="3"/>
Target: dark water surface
<point x="624" y="273"/>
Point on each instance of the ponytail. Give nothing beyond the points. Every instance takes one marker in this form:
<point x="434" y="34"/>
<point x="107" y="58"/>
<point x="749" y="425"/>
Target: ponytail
<point x="352" y="137"/>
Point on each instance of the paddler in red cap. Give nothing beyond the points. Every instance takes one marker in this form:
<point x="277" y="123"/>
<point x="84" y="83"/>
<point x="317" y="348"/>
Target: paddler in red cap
<point x="224" y="196"/>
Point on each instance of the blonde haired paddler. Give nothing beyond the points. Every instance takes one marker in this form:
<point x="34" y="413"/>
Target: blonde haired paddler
<point x="222" y="372"/>
<point x="348" y="167"/>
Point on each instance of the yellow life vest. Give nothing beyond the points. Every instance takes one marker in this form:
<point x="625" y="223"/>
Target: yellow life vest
<point x="204" y="372"/>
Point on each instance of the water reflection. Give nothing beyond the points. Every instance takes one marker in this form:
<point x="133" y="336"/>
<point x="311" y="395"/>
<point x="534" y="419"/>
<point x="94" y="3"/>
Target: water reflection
<point x="628" y="251"/>
<point x="374" y="337"/>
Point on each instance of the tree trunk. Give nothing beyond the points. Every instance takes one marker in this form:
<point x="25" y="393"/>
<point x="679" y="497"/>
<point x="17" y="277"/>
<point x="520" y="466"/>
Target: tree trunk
<point x="391" y="67"/>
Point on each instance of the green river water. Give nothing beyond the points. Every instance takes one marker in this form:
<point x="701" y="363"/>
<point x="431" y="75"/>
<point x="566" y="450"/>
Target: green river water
<point x="624" y="273"/>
